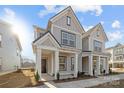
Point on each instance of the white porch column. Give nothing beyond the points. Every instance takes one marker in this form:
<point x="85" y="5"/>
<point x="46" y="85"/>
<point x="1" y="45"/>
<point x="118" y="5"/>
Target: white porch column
<point x="38" y="61"/>
<point x="56" y="63"/>
<point x="91" y="65"/>
<point x="107" y="66"/>
<point x="98" y="66"/>
<point x="52" y="60"/>
<point x="76" y="64"/>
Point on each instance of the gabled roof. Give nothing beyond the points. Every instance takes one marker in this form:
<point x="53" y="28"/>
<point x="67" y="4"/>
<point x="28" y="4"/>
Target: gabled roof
<point x="116" y="46"/>
<point x="88" y="33"/>
<point x="48" y="32"/>
<point x="66" y="9"/>
<point x="37" y="27"/>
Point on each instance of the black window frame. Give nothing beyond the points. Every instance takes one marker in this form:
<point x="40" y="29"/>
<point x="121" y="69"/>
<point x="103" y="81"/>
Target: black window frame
<point x="68" y="20"/>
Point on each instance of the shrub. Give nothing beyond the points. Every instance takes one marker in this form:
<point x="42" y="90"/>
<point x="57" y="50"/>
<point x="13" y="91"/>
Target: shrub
<point x="37" y="77"/>
<point x="58" y="76"/>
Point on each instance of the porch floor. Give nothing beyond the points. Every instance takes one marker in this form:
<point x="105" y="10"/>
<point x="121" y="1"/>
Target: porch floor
<point x="46" y="77"/>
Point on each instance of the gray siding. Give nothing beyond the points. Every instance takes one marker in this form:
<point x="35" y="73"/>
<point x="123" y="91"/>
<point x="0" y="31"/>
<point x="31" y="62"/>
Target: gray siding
<point x="85" y="44"/>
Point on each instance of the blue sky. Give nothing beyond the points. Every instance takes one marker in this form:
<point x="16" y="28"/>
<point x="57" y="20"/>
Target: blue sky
<point x="111" y="17"/>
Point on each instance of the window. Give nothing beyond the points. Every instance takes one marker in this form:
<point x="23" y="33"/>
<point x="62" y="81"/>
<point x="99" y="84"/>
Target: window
<point x="68" y="20"/>
<point x="97" y="46"/>
<point x="0" y="40"/>
<point x="98" y="33"/>
<point x="62" y="63"/>
<point x="72" y="63"/>
<point x="68" y="39"/>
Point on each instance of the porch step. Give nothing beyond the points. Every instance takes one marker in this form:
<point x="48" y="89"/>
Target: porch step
<point x="66" y="76"/>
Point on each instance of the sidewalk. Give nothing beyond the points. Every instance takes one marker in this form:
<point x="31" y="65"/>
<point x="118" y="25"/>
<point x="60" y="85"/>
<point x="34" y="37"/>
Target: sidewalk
<point x="83" y="83"/>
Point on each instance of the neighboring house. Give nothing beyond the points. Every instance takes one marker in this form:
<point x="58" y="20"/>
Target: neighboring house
<point x="117" y="56"/>
<point x="27" y="63"/>
<point x="65" y="48"/>
<point x="10" y="48"/>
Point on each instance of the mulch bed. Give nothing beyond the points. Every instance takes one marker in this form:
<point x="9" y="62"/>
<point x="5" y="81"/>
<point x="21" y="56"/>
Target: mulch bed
<point x="113" y="84"/>
<point x="82" y="77"/>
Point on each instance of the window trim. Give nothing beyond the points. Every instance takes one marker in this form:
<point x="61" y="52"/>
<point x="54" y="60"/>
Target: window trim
<point x="65" y="57"/>
<point x="68" y="17"/>
<point x="62" y="31"/>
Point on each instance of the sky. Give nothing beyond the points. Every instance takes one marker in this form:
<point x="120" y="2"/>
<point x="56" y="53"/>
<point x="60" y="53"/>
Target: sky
<point x="24" y="17"/>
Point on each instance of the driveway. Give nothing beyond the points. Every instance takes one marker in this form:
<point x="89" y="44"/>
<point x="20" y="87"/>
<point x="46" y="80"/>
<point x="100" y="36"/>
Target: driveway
<point x="83" y="83"/>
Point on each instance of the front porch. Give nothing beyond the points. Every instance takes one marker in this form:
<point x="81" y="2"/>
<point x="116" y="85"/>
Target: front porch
<point x="95" y="64"/>
<point x="51" y="62"/>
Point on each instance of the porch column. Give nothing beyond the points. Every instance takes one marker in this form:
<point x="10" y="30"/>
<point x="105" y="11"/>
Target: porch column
<point x="52" y="64"/>
<point x="98" y="65"/>
<point x="76" y="64"/>
<point x="107" y="65"/>
<point x="38" y="61"/>
<point x="91" y="65"/>
<point x="56" y="63"/>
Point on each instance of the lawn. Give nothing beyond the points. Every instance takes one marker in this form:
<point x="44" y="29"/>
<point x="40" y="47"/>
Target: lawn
<point x="113" y="84"/>
<point x="19" y="79"/>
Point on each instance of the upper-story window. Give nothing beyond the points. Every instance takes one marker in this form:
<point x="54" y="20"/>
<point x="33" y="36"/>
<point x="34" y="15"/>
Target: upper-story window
<point x="68" y="39"/>
<point x="0" y="40"/>
<point x="98" y="33"/>
<point x="68" y="20"/>
<point x="97" y="46"/>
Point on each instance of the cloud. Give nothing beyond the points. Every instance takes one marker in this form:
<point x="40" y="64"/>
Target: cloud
<point x="97" y="10"/>
<point x="50" y="9"/>
<point x="86" y="28"/>
<point x="102" y="22"/>
<point x="116" y="24"/>
<point x="114" y="36"/>
<point x="9" y="13"/>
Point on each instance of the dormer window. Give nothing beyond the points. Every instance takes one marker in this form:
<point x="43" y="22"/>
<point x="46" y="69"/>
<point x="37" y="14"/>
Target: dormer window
<point x="68" y="20"/>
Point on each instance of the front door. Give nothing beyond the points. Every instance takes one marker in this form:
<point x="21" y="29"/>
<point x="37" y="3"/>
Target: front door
<point x="44" y="64"/>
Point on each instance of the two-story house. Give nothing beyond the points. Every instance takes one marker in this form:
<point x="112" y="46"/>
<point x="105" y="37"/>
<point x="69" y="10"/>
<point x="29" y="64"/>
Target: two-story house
<point x="117" y="56"/>
<point x="94" y="59"/>
<point x="65" y="48"/>
<point x="10" y="48"/>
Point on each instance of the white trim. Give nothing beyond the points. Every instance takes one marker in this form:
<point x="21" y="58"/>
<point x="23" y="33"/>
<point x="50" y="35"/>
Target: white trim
<point x="51" y="28"/>
<point x="76" y="64"/>
<point x="56" y="63"/>
<point x="70" y="31"/>
<point x="90" y="65"/>
<point x="47" y="36"/>
<point x="67" y="51"/>
<point x="38" y="61"/>
<point x="52" y="60"/>
<point x="47" y="48"/>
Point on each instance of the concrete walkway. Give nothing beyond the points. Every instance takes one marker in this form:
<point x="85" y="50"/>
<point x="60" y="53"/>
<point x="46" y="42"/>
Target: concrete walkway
<point x="82" y="83"/>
